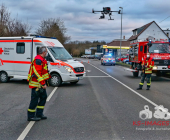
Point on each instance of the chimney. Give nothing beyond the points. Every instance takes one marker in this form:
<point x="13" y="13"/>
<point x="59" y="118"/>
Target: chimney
<point x="123" y="37"/>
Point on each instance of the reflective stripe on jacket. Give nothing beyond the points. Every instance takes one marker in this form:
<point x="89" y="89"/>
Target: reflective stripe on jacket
<point x="38" y="74"/>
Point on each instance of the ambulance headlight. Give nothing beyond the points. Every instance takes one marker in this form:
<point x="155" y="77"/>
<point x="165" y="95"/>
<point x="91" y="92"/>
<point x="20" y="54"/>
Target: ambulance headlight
<point x="155" y="68"/>
<point x="68" y="69"/>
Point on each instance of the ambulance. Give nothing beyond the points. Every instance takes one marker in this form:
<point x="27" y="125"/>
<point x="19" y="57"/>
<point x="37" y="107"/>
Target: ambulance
<point x="17" y="53"/>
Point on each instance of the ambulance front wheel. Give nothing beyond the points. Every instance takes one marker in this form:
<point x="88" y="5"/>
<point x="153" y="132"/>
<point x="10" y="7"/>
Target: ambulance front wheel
<point x="55" y="80"/>
<point x="3" y="77"/>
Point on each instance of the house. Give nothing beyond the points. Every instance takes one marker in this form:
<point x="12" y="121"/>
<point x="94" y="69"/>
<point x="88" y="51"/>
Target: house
<point x="148" y="31"/>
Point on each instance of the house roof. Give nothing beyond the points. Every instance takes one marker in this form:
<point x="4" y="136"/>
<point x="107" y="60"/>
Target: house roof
<point x="144" y="28"/>
<point x="117" y="43"/>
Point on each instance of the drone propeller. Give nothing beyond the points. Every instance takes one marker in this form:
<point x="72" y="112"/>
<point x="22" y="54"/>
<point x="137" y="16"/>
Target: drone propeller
<point x="93" y="13"/>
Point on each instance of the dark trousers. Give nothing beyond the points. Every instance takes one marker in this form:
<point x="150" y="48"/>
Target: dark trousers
<point x="38" y="100"/>
<point x="148" y="78"/>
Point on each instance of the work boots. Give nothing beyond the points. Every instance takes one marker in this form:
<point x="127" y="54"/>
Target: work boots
<point x="34" y="119"/>
<point x="139" y="88"/>
<point x="42" y="117"/>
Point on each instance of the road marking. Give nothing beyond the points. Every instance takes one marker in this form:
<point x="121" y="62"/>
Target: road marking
<point x="97" y="76"/>
<point x="49" y="97"/>
<point x="31" y="123"/>
<point x="88" y="70"/>
<point x="127" y="87"/>
<point x="26" y="130"/>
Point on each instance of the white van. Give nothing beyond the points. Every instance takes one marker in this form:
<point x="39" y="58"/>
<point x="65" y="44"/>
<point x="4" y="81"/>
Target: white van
<point x="17" y="53"/>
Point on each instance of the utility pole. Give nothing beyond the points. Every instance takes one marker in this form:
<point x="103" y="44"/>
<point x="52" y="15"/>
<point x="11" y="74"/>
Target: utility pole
<point x="121" y="31"/>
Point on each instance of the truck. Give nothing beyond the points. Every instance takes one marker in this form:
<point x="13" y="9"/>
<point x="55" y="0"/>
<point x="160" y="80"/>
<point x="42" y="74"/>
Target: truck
<point x="159" y="51"/>
<point x="17" y="53"/>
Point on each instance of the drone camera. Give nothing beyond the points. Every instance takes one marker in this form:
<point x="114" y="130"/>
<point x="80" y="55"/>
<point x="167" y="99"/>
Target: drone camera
<point x="106" y="10"/>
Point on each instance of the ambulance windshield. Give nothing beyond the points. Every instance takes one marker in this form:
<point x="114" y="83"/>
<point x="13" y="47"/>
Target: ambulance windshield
<point x="60" y="53"/>
<point x="159" y="48"/>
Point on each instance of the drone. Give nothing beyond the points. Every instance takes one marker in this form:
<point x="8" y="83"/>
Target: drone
<point x="106" y="10"/>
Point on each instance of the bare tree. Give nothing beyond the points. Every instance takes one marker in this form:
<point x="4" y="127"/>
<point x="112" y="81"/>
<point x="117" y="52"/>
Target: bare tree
<point x="17" y="28"/>
<point x="11" y="27"/>
<point x="4" y="19"/>
<point x="53" y="28"/>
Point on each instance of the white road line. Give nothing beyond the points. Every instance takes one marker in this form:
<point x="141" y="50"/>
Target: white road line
<point x="31" y="123"/>
<point x="127" y="87"/>
<point x="97" y="76"/>
<point x="49" y="97"/>
<point x="26" y="130"/>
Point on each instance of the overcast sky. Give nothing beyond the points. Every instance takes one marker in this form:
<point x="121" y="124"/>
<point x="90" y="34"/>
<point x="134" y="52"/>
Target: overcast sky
<point x="82" y="25"/>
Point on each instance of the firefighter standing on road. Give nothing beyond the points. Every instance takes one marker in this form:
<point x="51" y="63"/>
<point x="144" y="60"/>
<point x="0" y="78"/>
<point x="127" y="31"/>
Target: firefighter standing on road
<point x="37" y="77"/>
<point x="147" y="66"/>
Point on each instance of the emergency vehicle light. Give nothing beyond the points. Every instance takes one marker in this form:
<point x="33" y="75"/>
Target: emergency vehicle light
<point x="38" y="36"/>
<point x="53" y="38"/>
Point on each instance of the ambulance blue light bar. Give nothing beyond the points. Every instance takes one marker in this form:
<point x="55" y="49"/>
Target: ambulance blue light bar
<point x="38" y="36"/>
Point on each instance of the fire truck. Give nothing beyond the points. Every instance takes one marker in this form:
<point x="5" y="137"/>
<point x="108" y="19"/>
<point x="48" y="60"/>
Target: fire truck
<point x="159" y="51"/>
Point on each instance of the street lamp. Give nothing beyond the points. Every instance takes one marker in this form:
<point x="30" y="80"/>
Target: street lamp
<point x="121" y="31"/>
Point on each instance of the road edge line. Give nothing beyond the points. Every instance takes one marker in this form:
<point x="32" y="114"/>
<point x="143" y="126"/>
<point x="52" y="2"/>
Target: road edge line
<point x="26" y="130"/>
<point x="51" y="94"/>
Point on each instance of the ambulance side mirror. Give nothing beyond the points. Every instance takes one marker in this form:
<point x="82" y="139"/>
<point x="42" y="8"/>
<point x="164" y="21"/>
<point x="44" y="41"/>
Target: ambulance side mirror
<point x="48" y="58"/>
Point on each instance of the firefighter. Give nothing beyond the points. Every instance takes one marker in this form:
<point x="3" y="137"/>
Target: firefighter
<point x="147" y="66"/>
<point x="37" y="77"/>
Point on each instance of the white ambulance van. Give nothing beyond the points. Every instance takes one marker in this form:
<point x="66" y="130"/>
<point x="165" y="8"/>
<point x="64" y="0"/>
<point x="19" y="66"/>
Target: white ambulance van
<point x="17" y="53"/>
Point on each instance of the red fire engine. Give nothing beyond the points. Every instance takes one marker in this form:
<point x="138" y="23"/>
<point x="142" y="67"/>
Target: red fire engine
<point x="159" y="51"/>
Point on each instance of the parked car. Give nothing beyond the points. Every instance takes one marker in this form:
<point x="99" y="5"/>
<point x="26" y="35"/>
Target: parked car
<point x="125" y="60"/>
<point x="91" y="57"/>
<point x="83" y="56"/>
<point x="123" y="57"/>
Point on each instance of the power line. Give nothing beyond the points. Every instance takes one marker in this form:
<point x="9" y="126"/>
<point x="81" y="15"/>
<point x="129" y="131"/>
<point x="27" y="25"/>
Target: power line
<point x="164" y="19"/>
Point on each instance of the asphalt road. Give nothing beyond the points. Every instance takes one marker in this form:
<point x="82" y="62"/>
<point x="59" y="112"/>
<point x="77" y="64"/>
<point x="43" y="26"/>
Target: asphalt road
<point x="105" y="105"/>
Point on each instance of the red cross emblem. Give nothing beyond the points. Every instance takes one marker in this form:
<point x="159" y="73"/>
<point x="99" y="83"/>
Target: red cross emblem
<point x="1" y="51"/>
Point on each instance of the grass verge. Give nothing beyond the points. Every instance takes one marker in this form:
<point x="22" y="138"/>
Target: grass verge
<point x="123" y="64"/>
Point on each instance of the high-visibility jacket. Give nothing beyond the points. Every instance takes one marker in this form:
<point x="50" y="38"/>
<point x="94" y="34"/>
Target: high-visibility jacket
<point x="149" y="63"/>
<point x="38" y="74"/>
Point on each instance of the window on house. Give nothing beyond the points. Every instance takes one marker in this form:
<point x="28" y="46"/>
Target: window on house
<point x="167" y="34"/>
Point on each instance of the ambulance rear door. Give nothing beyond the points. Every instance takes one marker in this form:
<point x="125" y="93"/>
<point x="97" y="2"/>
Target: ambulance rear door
<point x="22" y="59"/>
